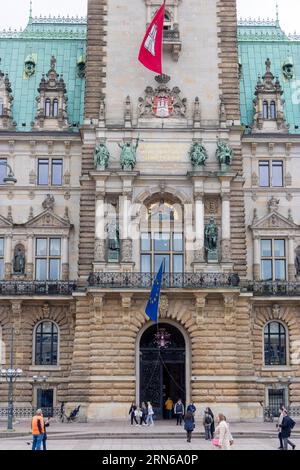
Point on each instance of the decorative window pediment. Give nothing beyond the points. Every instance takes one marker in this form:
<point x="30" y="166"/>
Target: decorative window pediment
<point x="47" y="218"/>
<point x="4" y="222"/>
<point x="52" y="102"/>
<point x="274" y="221"/>
<point x="6" y="100"/>
<point x="269" y="104"/>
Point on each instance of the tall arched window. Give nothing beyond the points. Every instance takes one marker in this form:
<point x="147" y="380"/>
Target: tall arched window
<point x="273" y="110"/>
<point x="162" y="238"/>
<point x="265" y="110"/>
<point x="1" y="107"/>
<point x="55" y="108"/>
<point x="46" y="343"/>
<point x="47" y="107"/>
<point x="275" y="344"/>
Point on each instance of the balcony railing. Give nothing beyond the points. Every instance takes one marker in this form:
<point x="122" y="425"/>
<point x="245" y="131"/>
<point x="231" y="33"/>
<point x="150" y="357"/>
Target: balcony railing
<point x="278" y="288"/>
<point x="171" y="35"/>
<point x="134" y="280"/>
<point x="37" y="287"/>
<point x="170" y="281"/>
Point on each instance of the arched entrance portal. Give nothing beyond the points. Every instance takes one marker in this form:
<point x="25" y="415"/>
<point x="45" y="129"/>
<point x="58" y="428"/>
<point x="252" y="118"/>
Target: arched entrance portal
<point x="162" y="366"/>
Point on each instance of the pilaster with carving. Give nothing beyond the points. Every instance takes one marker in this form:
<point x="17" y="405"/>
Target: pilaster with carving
<point x="200" y="317"/>
<point x="230" y="301"/>
<point x="126" y="302"/>
<point x="97" y="304"/>
<point x="163" y="306"/>
<point x="16" y="308"/>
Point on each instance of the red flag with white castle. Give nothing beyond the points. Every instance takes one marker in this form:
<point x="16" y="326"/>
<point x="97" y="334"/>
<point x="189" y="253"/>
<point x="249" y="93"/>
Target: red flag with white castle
<point x="151" y="49"/>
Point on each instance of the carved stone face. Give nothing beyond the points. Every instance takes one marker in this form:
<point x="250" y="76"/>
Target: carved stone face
<point x="29" y="68"/>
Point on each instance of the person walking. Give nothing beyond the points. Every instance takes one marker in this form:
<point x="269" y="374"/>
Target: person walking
<point x="222" y="438"/>
<point x="132" y="413"/>
<point x="207" y="422"/>
<point x="143" y="416"/>
<point x="150" y="414"/>
<point x="37" y="429"/>
<point x="169" y="407"/>
<point x="179" y="411"/>
<point x="45" y="437"/>
<point x="212" y="427"/>
<point x="286" y="429"/>
<point x="192" y="408"/>
<point x="189" y="425"/>
<point x="278" y="425"/>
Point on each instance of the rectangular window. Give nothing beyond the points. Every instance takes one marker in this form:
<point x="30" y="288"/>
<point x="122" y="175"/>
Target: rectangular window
<point x="48" y="259"/>
<point x="273" y="260"/>
<point x="277" y="173"/>
<point x="43" y="172"/>
<point x="56" y="179"/>
<point x="3" y="169"/>
<point x="271" y="173"/>
<point x="50" y="172"/>
<point x="1" y="258"/>
<point x="264" y="174"/>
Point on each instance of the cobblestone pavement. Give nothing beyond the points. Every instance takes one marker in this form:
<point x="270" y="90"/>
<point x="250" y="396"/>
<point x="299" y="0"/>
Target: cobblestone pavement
<point x="112" y="444"/>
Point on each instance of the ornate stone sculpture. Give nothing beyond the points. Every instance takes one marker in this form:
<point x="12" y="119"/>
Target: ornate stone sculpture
<point x="224" y="153"/>
<point x="162" y="102"/>
<point x="101" y="156"/>
<point x="30" y="66"/>
<point x="49" y="202"/>
<point x="273" y="204"/>
<point x="113" y="242"/>
<point x="128" y="154"/>
<point x="198" y="154"/>
<point x="19" y="261"/>
<point x="288" y="68"/>
<point x="211" y="240"/>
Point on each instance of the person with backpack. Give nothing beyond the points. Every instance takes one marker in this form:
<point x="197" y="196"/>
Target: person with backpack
<point x="192" y="408"/>
<point x="189" y="425"/>
<point x="286" y="428"/>
<point x="179" y="411"/>
<point x="207" y="422"/>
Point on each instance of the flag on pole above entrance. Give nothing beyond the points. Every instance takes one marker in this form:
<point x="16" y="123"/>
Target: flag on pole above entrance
<point x="151" y="49"/>
<point x="153" y="302"/>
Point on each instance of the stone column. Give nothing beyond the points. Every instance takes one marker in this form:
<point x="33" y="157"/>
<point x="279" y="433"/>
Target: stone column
<point x="226" y="244"/>
<point x="256" y="258"/>
<point x="291" y="257"/>
<point x="100" y="229"/>
<point x="29" y="261"/>
<point x="8" y="256"/>
<point x="199" y="223"/>
<point x="65" y="258"/>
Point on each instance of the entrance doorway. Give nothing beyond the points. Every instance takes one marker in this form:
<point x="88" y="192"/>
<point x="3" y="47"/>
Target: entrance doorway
<point x="162" y="366"/>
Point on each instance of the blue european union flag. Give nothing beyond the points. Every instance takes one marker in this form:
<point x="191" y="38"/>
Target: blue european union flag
<point x="152" y="305"/>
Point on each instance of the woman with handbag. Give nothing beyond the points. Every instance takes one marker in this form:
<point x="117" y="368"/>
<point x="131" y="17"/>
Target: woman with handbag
<point x="222" y="439"/>
<point x="189" y="425"/>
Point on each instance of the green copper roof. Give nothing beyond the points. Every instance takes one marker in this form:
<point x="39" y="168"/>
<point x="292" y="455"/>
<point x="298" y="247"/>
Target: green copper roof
<point x="259" y="40"/>
<point x="43" y="37"/>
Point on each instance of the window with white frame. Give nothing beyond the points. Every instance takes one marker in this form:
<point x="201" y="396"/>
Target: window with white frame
<point x="275" y="344"/>
<point x="50" y="171"/>
<point x="46" y="344"/>
<point x="47" y="259"/>
<point x="1" y="107"/>
<point x="1" y="258"/>
<point x="3" y="169"/>
<point x="273" y="260"/>
<point x="271" y="173"/>
<point x="163" y="241"/>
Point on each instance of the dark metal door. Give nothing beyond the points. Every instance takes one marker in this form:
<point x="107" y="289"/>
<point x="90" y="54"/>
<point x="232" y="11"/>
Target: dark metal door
<point x="45" y="401"/>
<point x="276" y="399"/>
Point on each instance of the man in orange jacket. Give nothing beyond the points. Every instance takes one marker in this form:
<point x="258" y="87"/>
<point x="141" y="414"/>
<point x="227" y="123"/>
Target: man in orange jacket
<point x="38" y="430"/>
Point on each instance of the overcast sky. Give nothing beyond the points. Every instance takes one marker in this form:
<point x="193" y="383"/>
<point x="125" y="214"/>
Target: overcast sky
<point x="15" y="12"/>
